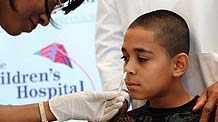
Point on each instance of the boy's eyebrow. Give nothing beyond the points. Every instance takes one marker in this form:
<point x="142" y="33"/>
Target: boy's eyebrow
<point x="142" y="50"/>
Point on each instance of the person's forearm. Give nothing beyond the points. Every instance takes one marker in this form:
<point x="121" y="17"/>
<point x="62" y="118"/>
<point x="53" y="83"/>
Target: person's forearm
<point x="24" y="113"/>
<point x="50" y="116"/>
<point x="108" y="42"/>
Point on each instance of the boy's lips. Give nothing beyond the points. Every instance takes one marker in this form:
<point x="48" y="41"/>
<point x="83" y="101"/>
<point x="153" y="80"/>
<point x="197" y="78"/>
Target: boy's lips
<point x="132" y="85"/>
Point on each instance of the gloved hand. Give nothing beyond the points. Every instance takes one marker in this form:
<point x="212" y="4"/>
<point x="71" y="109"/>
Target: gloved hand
<point x="87" y="105"/>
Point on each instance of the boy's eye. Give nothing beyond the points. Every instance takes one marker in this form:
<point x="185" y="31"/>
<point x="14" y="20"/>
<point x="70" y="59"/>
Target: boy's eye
<point x="124" y="58"/>
<point x="140" y="59"/>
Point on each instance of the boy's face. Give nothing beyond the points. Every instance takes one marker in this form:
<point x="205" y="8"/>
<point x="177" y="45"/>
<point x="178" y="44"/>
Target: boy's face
<point x="148" y="67"/>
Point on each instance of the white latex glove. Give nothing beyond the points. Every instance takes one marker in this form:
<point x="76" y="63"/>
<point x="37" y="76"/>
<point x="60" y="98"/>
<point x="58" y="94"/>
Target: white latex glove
<point x="88" y="105"/>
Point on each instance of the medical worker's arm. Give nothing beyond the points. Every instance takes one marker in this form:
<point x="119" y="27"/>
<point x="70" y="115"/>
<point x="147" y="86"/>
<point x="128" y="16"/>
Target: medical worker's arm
<point x="209" y="97"/>
<point x="89" y="105"/>
<point x="209" y="102"/>
<point x="108" y="44"/>
<point x="109" y="39"/>
<point x="23" y="113"/>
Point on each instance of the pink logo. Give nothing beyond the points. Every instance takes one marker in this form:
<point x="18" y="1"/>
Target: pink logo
<point x="58" y="54"/>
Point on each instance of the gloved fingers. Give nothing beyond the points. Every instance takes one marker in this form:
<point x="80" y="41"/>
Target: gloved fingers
<point x="106" y="95"/>
<point x="114" y="101"/>
<point x="109" y="115"/>
<point x="112" y="107"/>
<point x="124" y="94"/>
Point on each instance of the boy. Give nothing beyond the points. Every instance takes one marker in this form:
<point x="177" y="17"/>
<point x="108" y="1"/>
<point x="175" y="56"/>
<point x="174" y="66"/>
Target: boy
<point x="155" y="51"/>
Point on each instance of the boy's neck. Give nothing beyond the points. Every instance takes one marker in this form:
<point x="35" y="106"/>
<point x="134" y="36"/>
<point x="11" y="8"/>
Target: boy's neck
<point x="174" y="97"/>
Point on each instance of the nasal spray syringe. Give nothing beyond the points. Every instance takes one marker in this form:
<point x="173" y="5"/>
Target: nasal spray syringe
<point x="122" y="82"/>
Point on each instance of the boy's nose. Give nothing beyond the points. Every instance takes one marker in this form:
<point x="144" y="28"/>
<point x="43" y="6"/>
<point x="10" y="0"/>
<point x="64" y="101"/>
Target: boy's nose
<point x="129" y="68"/>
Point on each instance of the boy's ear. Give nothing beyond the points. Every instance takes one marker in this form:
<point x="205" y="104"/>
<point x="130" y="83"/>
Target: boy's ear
<point x="180" y="64"/>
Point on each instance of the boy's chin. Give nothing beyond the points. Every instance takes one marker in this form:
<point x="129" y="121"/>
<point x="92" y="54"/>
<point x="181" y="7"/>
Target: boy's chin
<point x="137" y="96"/>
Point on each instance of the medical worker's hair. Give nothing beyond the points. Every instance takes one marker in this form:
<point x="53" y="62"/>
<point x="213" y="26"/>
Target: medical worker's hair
<point x="71" y="5"/>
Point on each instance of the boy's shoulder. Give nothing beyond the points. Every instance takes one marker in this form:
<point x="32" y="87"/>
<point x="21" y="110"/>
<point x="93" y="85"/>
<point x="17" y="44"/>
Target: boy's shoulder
<point x="134" y="115"/>
<point x="148" y="114"/>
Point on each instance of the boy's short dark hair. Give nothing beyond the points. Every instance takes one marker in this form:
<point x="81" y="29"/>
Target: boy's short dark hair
<point x="171" y="30"/>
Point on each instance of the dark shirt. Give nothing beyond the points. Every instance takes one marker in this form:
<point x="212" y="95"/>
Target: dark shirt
<point x="178" y="114"/>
